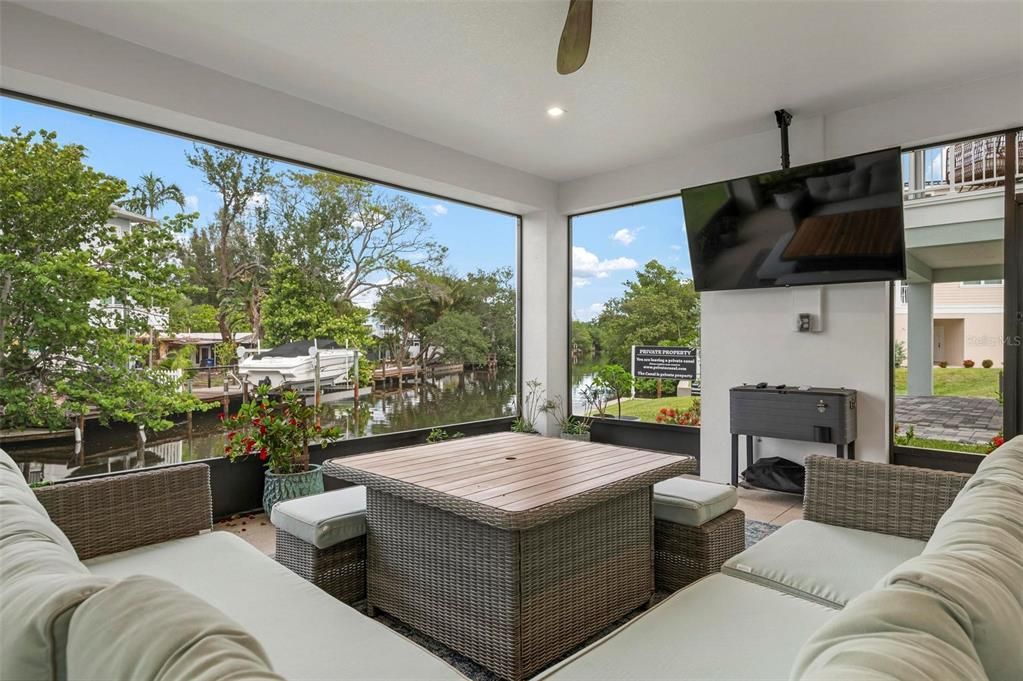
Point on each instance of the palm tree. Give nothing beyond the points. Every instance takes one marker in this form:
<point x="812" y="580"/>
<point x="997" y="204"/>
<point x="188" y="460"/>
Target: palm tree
<point x="152" y="192"/>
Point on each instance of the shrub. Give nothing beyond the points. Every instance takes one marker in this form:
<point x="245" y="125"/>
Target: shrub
<point x="440" y="435"/>
<point x="900" y="353"/>
<point x="987" y="363"/>
<point x="687" y="417"/>
<point x="968" y="363"/>
<point x="904" y="438"/>
<point x="943" y="364"/>
<point x="647" y="387"/>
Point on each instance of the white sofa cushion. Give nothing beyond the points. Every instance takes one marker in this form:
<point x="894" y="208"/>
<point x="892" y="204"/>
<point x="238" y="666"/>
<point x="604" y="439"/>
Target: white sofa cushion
<point x="903" y="634"/>
<point x="974" y="560"/>
<point x="692" y="502"/>
<point x="323" y="520"/>
<point x="956" y="610"/>
<point x="716" y="628"/>
<point x="147" y="628"/>
<point x="306" y="633"/>
<point x="824" y="563"/>
<point x="41" y="583"/>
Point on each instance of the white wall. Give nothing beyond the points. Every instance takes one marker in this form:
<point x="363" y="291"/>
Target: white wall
<point x="749" y="336"/>
<point x="544" y="305"/>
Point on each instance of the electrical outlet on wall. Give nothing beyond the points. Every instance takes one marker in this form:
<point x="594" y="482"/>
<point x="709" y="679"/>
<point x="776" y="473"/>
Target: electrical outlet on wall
<point x="807" y="305"/>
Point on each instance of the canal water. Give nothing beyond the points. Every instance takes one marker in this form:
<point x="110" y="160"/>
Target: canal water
<point x="455" y="398"/>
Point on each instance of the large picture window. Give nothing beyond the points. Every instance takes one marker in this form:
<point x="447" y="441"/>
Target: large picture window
<point x="146" y="276"/>
<point x="632" y="286"/>
<point x="949" y="317"/>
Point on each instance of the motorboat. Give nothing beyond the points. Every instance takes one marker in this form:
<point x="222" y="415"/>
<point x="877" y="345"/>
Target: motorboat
<point x="294" y="365"/>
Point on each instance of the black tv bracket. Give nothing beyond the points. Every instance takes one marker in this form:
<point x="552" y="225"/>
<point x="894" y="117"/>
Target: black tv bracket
<point x="784" y="119"/>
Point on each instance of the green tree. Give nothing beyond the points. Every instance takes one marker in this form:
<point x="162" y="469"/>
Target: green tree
<point x="458" y="337"/>
<point x="151" y="193"/>
<point x="242" y="182"/>
<point x="348" y="233"/>
<point x="184" y="316"/>
<point x="658" y="307"/>
<point x="74" y="295"/>
<point x="198" y="257"/>
<point x="582" y="339"/>
<point x="490" y="297"/>
<point x="297" y="308"/>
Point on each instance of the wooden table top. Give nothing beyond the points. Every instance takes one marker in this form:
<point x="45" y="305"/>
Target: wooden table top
<point x="496" y="477"/>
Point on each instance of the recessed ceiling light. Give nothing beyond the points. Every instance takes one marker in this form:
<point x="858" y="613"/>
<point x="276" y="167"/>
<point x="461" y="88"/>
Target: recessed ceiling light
<point x="555" y="112"/>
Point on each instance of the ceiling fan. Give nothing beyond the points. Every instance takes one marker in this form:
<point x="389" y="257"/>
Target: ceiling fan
<point x="575" y="38"/>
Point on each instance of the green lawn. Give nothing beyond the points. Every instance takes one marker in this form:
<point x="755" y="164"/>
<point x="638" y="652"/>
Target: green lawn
<point x="957" y="382"/>
<point x="647" y="409"/>
<point x="947" y="445"/>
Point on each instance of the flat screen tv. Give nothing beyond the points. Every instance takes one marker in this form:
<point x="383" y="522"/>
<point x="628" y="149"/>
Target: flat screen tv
<point x="826" y="223"/>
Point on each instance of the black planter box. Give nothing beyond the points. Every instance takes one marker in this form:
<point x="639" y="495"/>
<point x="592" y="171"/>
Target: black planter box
<point x="642" y="435"/>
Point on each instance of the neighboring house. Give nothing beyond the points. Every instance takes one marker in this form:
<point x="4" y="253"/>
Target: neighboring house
<point x="967" y="321"/>
<point x="123" y="222"/>
<point x="950" y="307"/>
<point x="203" y="343"/>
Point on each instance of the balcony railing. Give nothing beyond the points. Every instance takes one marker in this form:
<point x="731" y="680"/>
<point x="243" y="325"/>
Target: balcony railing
<point x="959" y="168"/>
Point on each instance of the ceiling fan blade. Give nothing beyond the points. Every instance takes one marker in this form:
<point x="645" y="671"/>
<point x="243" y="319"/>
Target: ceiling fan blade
<point x="575" y="38"/>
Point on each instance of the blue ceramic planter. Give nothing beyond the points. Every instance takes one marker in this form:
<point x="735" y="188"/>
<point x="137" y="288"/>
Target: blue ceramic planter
<point x="291" y="486"/>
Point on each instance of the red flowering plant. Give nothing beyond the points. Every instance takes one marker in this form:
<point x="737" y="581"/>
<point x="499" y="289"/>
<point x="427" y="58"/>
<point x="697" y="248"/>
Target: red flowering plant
<point x="996" y="442"/>
<point x="277" y="430"/>
<point x="681" y="417"/>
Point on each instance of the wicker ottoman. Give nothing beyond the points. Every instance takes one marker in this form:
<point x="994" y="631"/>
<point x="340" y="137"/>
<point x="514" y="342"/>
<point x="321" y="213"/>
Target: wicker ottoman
<point x="322" y="538"/>
<point x="696" y="529"/>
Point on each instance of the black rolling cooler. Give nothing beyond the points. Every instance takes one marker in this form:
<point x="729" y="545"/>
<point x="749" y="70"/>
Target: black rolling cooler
<point x="826" y="415"/>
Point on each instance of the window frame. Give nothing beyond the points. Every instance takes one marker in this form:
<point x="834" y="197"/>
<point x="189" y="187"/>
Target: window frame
<point x="397" y="438"/>
<point x="1012" y="310"/>
<point x="568" y="283"/>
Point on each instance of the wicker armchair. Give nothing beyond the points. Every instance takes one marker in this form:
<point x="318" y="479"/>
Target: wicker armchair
<point x="878" y="497"/>
<point x="121" y="512"/>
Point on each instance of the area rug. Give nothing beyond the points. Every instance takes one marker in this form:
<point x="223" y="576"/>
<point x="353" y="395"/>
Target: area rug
<point x="755" y="531"/>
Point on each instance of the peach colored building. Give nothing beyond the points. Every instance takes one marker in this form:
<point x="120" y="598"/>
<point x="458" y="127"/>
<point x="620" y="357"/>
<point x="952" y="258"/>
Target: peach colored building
<point x="967" y="321"/>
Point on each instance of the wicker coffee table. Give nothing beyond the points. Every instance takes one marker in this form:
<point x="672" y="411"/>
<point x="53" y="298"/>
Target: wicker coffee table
<point x="508" y="548"/>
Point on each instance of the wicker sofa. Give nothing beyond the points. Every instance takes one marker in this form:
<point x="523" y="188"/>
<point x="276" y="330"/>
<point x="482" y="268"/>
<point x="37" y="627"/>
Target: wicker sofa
<point x="157" y="523"/>
<point x="895" y="573"/>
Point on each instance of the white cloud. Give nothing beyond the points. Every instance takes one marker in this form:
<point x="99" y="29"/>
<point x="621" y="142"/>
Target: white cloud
<point x="191" y="202"/>
<point x="586" y="314"/>
<point x="588" y="265"/>
<point x="579" y="282"/>
<point x="625" y="236"/>
<point x="438" y="209"/>
<point x="676" y="247"/>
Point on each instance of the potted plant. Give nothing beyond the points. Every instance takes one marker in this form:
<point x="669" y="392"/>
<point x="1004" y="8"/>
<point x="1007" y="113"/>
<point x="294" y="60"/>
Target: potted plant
<point x="278" y="431"/>
<point x="618" y="383"/>
<point x="532" y="407"/>
<point x="571" y="427"/>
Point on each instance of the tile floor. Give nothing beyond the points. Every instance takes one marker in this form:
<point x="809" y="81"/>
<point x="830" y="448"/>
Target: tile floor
<point x="775" y="508"/>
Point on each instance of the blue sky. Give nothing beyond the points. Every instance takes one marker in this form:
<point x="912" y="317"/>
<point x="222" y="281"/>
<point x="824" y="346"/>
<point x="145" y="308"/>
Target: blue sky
<point x="475" y="238"/>
<point x="608" y="247"/>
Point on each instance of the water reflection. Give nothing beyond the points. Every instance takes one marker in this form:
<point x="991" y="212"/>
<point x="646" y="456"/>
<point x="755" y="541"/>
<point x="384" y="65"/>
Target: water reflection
<point x="456" y="398"/>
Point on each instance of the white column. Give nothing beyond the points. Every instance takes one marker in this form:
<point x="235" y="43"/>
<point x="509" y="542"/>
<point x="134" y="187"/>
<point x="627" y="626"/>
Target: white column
<point x="920" y="341"/>
<point x="544" y="351"/>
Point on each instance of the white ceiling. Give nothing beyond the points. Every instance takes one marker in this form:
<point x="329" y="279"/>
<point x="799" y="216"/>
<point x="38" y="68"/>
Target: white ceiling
<point x="478" y="76"/>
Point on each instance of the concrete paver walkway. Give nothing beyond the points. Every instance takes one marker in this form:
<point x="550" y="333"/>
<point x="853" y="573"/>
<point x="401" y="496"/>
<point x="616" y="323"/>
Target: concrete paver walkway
<point x="960" y="419"/>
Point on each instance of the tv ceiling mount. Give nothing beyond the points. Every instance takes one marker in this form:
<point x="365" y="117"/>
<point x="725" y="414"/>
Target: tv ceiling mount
<point x="784" y="119"/>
